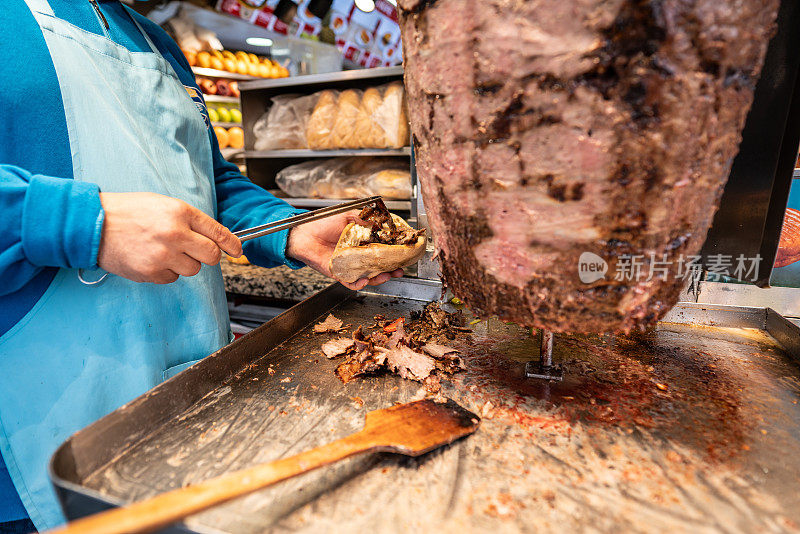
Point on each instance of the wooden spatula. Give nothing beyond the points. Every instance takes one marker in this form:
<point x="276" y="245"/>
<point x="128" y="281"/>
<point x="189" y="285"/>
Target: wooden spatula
<point x="411" y="429"/>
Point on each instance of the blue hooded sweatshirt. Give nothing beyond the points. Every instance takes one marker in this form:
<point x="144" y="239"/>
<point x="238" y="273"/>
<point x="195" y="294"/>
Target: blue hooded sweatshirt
<point x="48" y="219"/>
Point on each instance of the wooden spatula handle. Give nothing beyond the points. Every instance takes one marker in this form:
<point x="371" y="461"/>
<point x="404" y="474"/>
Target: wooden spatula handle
<point x="162" y="510"/>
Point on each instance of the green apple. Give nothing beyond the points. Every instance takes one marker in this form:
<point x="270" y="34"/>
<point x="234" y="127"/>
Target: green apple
<point x="236" y="115"/>
<point x="224" y="114"/>
<point x="213" y="115"/>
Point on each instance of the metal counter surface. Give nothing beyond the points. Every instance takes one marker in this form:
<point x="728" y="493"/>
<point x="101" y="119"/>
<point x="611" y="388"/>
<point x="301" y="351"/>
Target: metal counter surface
<point x="685" y="429"/>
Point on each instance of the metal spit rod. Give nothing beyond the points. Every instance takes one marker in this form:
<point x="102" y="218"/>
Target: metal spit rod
<point x="544" y="368"/>
<point x="546" y="354"/>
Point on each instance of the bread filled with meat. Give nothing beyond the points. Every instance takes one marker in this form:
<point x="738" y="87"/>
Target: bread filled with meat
<point x="387" y="244"/>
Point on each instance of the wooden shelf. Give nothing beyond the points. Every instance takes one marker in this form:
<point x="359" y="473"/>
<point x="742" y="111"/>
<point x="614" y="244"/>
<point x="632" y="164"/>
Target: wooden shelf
<point x="227" y="125"/>
<point x="306" y="153"/>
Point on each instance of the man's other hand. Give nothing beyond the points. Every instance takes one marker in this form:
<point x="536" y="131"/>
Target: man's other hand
<point x="313" y="244"/>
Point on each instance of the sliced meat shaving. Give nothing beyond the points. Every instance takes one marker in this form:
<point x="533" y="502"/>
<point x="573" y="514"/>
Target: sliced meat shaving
<point x="330" y="324"/>
<point x="337" y="347"/>
<point x="409" y="364"/>
<point x="411" y="350"/>
<point x="439" y="351"/>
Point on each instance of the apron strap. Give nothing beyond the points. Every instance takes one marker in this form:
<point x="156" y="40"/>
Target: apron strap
<point x="44" y="7"/>
<point x="40" y="6"/>
<point x="144" y="33"/>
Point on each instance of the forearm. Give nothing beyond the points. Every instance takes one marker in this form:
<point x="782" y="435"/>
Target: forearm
<point x="47" y="222"/>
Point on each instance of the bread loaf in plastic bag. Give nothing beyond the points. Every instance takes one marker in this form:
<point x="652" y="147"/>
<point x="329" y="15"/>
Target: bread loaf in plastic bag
<point x="373" y="118"/>
<point x="330" y="120"/>
<point x="284" y="125"/>
<point x="351" y="177"/>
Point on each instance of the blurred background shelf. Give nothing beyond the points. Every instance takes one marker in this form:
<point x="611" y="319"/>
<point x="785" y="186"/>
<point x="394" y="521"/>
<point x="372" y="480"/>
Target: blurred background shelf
<point x="330" y="80"/>
<point x="394" y="205"/>
<point x="221" y="99"/>
<point x="228" y="125"/>
<point x="214" y="73"/>
<point x="231" y="153"/>
<point x="306" y="153"/>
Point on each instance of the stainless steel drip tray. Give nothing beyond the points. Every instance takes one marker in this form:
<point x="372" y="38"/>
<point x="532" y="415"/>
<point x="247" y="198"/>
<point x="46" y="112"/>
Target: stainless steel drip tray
<point x="693" y="426"/>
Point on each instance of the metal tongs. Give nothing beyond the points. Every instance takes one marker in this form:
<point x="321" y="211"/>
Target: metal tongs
<point x="291" y="222"/>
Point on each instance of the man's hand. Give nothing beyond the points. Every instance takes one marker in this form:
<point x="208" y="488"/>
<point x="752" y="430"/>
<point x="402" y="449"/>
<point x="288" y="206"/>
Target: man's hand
<point x="313" y="244"/>
<point x="153" y="238"/>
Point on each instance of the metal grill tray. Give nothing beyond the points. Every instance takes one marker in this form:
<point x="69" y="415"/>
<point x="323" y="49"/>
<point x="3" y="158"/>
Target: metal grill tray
<point x="690" y="427"/>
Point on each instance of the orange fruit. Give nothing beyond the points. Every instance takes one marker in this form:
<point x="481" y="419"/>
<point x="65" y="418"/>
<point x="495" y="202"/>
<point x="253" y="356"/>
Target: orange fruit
<point x="284" y="72"/>
<point x="263" y="71"/>
<point x="227" y="54"/>
<point x="252" y="69"/>
<point x="230" y="65"/>
<point x="204" y="60"/>
<point x="241" y="67"/>
<point x="191" y="57"/>
<point x="253" y="58"/>
<point x="216" y="63"/>
<point x="275" y="71"/>
<point x="236" y="137"/>
<point x="222" y="136"/>
<point x="217" y="54"/>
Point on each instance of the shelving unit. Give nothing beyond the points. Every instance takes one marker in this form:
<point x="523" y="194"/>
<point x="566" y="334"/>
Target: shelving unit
<point x="216" y="99"/>
<point x="227" y="124"/>
<point x="306" y="153"/>
<point x="213" y="73"/>
<point x="394" y="205"/>
<point x="264" y="165"/>
<point x="231" y="153"/>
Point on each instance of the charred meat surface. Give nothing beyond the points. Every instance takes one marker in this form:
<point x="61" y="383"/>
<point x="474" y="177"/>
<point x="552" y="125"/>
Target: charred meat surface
<point x="546" y="130"/>
<point x="408" y="353"/>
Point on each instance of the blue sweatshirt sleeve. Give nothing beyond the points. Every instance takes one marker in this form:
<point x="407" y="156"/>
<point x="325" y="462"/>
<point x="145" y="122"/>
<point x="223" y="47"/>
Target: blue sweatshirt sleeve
<point x="240" y="203"/>
<point x="47" y="222"/>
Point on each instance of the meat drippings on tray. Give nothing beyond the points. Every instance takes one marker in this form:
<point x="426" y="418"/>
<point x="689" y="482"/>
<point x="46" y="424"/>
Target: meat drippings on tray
<point x="383" y="228"/>
<point x="544" y="131"/>
<point x="414" y="350"/>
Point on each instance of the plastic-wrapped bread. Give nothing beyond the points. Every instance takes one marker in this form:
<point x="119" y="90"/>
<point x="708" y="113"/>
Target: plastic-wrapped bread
<point x="348" y="112"/>
<point x="285" y="124"/>
<point x="391" y="117"/>
<point x="351" y="177"/>
<point x="390" y="184"/>
<point x="320" y="124"/>
<point x="370" y="134"/>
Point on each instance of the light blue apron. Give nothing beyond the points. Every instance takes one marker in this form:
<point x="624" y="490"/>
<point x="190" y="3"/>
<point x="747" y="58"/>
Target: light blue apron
<point x="83" y="351"/>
